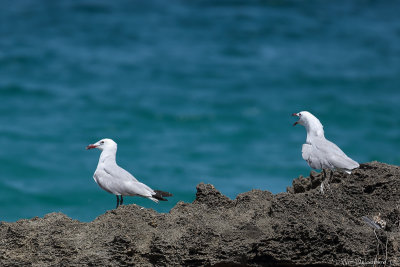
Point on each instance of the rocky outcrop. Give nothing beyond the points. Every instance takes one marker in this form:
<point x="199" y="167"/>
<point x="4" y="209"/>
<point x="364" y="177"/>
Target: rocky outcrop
<point x="343" y="226"/>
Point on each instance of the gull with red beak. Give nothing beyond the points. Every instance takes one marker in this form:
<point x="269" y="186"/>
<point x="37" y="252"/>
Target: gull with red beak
<point x="319" y="152"/>
<point x="115" y="180"/>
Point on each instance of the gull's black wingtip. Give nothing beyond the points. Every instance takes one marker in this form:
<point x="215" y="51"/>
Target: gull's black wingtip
<point x="161" y="194"/>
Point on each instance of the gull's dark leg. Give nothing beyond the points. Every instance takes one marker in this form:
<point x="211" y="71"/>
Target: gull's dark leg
<point x="329" y="179"/>
<point x="326" y="180"/>
<point x="122" y="200"/>
<point x="322" y="186"/>
<point x="117" y="201"/>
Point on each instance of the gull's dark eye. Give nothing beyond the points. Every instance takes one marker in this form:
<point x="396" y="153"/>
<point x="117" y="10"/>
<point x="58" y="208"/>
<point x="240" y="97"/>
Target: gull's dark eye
<point x="102" y="142"/>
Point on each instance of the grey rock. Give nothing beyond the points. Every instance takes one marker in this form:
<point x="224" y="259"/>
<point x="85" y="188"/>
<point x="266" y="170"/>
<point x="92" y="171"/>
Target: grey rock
<point x="300" y="228"/>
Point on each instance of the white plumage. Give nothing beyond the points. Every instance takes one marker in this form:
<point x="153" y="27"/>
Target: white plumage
<point x="115" y="180"/>
<point x="319" y="152"/>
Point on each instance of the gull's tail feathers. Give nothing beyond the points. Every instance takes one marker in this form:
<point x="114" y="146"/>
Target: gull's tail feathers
<point x="159" y="195"/>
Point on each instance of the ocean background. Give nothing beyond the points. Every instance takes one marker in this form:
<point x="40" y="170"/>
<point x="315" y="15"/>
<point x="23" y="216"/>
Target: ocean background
<point x="192" y="91"/>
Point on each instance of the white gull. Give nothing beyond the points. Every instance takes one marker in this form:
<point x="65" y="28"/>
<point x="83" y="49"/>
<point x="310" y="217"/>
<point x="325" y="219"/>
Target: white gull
<point x="319" y="152"/>
<point x="115" y="180"/>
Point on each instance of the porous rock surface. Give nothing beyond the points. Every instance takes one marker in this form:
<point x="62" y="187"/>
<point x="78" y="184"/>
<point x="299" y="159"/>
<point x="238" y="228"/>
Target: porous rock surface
<point x="299" y="228"/>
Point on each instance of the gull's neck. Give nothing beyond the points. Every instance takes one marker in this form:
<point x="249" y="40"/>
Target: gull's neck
<point x="108" y="155"/>
<point x="314" y="129"/>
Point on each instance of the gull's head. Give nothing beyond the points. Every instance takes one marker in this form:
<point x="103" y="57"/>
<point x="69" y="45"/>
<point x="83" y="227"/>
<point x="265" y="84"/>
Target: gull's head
<point x="310" y="122"/>
<point x="303" y="117"/>
<point x="103" y="144"/>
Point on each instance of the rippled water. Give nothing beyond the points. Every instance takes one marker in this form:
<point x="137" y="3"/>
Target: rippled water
<point x="192" y="91"/>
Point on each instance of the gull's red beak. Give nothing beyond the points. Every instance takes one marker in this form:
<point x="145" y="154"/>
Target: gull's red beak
<point x="295" y="114"/>
<point x="91" y="146"/>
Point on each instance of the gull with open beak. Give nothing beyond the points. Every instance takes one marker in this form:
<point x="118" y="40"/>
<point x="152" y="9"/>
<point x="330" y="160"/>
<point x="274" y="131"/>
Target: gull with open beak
<point x="319" y="152"/>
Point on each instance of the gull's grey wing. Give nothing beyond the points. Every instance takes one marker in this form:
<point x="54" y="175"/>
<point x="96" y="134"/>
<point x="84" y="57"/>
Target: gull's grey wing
<point x="334" y="155"/>
<point x="306" y="152"/>
<point x="119" y="173"/>
<point x="116" y="183"/>
<point x="313" y="157"/>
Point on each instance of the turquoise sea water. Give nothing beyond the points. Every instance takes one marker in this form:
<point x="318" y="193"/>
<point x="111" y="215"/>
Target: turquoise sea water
<point x="192" y="91"/>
